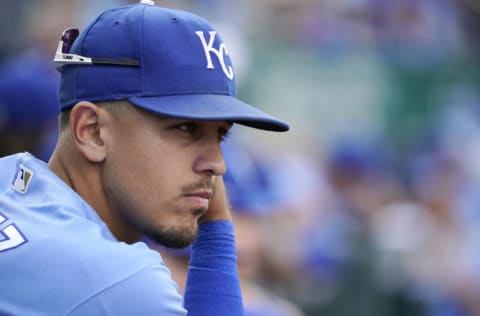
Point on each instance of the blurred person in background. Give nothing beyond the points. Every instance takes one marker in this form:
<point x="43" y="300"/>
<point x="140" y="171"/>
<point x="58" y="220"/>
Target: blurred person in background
<point x="28" y="81"/>
<point x="341" y="260"/>
<point x="445" y="181"/>
<point x="28" y="107"/>
<point x="389" y="248"/>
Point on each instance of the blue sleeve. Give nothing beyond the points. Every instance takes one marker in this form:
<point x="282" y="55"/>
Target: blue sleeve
<point x="213" y="287"/>
<point x="148" y="292"/>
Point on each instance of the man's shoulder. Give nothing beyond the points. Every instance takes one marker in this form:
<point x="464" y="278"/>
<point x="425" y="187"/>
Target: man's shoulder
<point x="19" y="172"/>
<point x="71" y="261"/>
<point x="55" y="250"/>
<point x="150" y="291"/>
<point x="8" y="166"/>
<point x="40" y="205"/>
<point x="56" y="223"/>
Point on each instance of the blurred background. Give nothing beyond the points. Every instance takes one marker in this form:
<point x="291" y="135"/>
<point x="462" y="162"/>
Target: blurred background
<point x="370" y="205"/>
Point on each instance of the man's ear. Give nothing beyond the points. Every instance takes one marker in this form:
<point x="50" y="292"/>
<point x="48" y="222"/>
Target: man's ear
<point x="86" y="125"/>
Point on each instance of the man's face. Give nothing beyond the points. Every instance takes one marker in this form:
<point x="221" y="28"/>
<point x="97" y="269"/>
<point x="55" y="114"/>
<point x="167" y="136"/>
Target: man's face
<point x="159" y="172"/>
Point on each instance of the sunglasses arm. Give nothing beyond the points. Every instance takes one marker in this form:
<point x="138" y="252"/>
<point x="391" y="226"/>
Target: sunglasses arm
<point x="66" y="59"/>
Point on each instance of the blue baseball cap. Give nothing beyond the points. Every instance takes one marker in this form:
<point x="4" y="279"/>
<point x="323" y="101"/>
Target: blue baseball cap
<point x="166" y="61"/>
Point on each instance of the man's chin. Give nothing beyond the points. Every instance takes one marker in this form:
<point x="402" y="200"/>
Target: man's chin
<point x="173" y="238"/>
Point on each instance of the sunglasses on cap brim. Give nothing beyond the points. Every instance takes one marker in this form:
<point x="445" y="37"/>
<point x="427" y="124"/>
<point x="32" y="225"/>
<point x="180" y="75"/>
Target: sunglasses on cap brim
<point x="64" y="57"/>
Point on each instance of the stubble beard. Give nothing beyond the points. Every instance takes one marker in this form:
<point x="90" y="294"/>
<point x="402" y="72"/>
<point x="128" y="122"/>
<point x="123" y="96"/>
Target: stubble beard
<point x="179" y="238"/>
<point x="171" y="237"/>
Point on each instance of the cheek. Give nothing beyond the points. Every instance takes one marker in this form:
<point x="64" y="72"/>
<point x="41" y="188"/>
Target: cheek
<point x="146" y="175"/>
<point x="138" y="195"/>
<point x="142" y="178"/>
<point x="138" y="159"/>
<point x="147" y="168"/>
<point x="149" y="157"/>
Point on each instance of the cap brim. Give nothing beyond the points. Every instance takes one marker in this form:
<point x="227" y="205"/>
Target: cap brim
<point x="210" y="107"/>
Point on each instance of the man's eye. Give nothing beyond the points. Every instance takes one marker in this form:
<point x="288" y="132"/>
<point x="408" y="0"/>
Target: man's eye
<point x="186" y="127"/>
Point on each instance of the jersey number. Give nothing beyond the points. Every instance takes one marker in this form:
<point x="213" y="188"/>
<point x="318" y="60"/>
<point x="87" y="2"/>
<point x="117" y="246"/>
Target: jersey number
<point x="10" y="237"/>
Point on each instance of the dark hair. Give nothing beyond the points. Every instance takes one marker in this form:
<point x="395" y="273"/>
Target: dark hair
<point x="64" y="119"/>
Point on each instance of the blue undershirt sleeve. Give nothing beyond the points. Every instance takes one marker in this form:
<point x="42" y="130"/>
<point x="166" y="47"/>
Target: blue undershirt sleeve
<point x="213" y="286"/>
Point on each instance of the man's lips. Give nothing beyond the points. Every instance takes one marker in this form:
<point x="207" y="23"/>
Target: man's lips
<point x="199" y="199"/>
<point x="201" y="194"/>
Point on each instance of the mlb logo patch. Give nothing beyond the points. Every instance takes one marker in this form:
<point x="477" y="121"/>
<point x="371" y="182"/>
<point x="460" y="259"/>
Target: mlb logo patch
<point x="22" y="180"/>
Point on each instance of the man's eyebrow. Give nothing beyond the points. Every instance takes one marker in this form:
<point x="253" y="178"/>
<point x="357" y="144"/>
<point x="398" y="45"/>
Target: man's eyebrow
<point x="225" y="128"/>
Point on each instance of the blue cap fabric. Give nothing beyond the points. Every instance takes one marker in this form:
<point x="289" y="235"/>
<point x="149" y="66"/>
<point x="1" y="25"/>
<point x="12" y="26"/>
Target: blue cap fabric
<point x="185" y="70"/>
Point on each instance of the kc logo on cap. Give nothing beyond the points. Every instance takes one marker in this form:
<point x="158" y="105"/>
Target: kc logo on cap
<point x="221" y="52"/>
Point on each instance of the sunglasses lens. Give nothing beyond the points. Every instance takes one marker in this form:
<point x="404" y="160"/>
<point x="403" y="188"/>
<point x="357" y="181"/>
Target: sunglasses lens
<point x="68" y="37"/>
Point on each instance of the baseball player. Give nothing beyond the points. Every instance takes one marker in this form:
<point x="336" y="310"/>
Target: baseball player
<point x="146" y="96"/>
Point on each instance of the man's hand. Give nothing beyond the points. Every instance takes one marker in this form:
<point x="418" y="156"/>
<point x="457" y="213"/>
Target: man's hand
<point x="218" y="209"/>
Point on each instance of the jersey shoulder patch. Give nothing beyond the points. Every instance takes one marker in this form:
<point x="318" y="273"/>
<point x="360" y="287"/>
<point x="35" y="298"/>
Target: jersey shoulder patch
<point x="23" y="178"/>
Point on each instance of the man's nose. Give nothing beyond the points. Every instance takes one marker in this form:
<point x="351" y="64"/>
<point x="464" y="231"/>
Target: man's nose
<point x="211" y="160"/>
